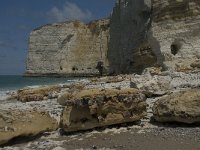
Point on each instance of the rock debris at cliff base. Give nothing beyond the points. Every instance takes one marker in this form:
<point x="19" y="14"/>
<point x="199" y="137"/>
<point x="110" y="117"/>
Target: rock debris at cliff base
<point x="99" y="102"/>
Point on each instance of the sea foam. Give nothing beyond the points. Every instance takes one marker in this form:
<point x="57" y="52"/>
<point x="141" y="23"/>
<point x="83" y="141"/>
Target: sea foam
<point x="3" y="94"/>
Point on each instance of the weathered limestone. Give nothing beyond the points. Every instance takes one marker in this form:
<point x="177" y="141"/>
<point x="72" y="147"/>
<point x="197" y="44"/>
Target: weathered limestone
<point x="20" y="123"/>
<point x="38" y="94"/>
<point x="21" y="120"/>
<point x="88" y="109"/>
<point x="69" y="48"/>
<point x="129" y="50"/>
<point x="82" y="108"/>
<point x="175" y="34"/>
<point x="168" y="28"/>
<point x="180" y="106"/>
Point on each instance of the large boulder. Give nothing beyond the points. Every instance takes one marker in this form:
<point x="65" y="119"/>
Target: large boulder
<point x="88" y="109"/>
<point x="19" y="120"/>
<point x="21" y="123"/>
<point x="183" y="106"/>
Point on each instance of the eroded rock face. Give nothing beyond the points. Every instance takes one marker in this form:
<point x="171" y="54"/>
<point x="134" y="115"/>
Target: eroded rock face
<point x="20" y="123"/>
<point x="88" y="109"/>
<point x="129" y="50"/>
<point x="70" y="48"/>
<point x="180" y="106"/>
<point x="175" y="34"/>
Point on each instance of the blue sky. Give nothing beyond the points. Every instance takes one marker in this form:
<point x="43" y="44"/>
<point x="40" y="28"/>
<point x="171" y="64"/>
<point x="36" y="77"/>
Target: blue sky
<point x="19" y="17"/>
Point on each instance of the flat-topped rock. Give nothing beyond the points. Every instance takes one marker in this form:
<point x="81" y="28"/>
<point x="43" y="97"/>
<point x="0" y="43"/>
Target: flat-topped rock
<point x="88" y="109"/>
<point x="20" y="123"/>
<point x="180" y="106"/>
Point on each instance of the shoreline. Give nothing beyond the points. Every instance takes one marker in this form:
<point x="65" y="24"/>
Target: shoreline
<point x="16" y="82"/>
<point x="61" y="75"/>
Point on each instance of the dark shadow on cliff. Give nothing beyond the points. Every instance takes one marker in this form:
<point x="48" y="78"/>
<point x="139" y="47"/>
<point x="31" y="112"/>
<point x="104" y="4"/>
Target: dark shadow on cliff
<point x="130" y="50"/>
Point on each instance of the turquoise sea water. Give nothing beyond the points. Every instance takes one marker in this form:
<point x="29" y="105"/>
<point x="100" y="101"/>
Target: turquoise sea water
<point x="9" y="83"/>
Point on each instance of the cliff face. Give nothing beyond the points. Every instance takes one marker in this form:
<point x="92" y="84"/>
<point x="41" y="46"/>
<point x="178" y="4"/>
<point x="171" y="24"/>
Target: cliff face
<point x="140" y="34"/>
<point x="129" y="50"/>
<point x="154" y="32"/>
<point x="175" y="32"/>
<point x="70" y="48"/>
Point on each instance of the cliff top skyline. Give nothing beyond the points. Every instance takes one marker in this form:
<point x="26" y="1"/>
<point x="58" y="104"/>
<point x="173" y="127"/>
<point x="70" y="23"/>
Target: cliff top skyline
<point x="19" y="18"/>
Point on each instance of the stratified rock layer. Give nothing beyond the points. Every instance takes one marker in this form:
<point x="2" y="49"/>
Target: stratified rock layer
<point x="69" y="48"/>
<point x="179" y="107"/>
<point x="88" y="109"/>
<point x="175" y="34"/>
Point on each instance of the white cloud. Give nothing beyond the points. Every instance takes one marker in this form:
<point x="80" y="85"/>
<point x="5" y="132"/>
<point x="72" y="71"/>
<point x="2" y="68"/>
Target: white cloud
<point x="70" y="11"/>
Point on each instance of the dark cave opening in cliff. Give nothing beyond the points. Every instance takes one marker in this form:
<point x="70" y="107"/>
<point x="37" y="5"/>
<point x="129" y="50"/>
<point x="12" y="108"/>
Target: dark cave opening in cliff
<point x="175" y="48"/>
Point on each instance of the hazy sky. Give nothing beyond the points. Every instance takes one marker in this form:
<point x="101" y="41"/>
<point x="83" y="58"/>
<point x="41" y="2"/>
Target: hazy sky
<point x="19" y="17"/>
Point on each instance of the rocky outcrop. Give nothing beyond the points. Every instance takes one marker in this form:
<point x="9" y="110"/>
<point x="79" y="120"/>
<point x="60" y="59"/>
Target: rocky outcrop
<point x="88" y="109"/>
<point x="174" y="35"/>
<point x="69" y="48"/>
<point x="180" y="106"/>
<point x="129" y="50"/>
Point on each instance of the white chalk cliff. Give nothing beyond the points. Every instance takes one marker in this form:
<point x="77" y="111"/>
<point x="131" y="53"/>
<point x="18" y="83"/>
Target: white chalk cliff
<point x="69" y="48"/>
<point x="139" y="34"/>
